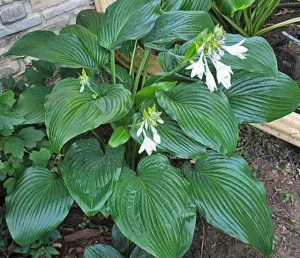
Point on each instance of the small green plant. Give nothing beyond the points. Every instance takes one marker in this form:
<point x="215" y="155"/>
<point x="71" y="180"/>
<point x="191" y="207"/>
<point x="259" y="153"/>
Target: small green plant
<point x="287" y="196"/>
<point x="41" y="248"/>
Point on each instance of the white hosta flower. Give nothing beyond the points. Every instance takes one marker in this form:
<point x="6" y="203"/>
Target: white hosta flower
<point x="151" y="119"/>
<point x="237" y="50"/>
<point x="224" y="73"/>
<point x="84" y="80"/>
<point x="210" y="80"/>
<point x="197" y="68"/>
<point x="148" y="145"/>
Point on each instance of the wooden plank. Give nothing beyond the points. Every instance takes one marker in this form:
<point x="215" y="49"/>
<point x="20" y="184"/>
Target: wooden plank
<point x="101" y="5"/>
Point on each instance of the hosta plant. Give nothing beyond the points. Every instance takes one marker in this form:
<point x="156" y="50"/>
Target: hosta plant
<point x="171" y="154"/>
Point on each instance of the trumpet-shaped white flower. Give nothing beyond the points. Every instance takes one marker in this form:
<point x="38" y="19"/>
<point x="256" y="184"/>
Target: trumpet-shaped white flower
<point x="197" y="68"/>
<point x="151" y="119"/>
<point x="148" y="145"/>
<point x="212" y="46"/>
<point x="224" y="73"/>
<point x="237" y="50"/>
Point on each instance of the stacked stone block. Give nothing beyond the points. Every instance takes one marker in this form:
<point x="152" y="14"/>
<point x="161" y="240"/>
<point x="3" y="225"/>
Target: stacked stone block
<point x="17" y="17"/>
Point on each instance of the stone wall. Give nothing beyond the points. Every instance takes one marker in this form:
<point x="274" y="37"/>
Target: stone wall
<point x="17" y="17"/>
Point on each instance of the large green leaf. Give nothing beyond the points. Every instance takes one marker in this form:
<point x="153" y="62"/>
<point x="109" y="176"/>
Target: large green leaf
<point x="101" y="251"/>
<point x="153" y="208"/>
<point x="229" y="7"/>
<point x="90" y="41"/>
<point x="173" y="139"/>
<point x="231" y="200"/>
<point x="254" y="62"/>
<point x="90" y="19"/>
<point x="64" y="50"/>
<point x="204" y="116"/>
<point x="9" y="117"/>
<point x="174" y="26"/>
<point x="90" y="175"/>
<point x="262" y="99"/>
<point x="196" y="5"/>
<point x="39" y="203"/>
<point x="31" y="104"/>
<point x="127" y="20"/>
<point x="70" y="112"/>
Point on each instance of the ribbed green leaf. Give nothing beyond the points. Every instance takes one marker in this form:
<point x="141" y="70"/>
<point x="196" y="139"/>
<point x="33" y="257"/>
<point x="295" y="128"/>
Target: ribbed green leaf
<point x="173" y="26"/>
<point x="9" y="117"/>
<point x="149" y="91"/>
<point x="120" y="242"/>
<point x="255" y="61"/>
<point x="153" y="208"/>
<point x="173" y="139"/>
<point x="90" y="175"/>
<point x="262" y="99"/>
<point x="101" y="251"/>
<point x="231" y="200"/>
<point x="140" y="253"/>
<point x="70" y="112"/>
<point x="90" y="41"/>
<point x="31" y="104"/>
<point x="198" y="5"/>
<point x="39" y="203"/>
<point x="122" y="76"/>
<point x="204" y="116"/>
<point x="229" y="7"/>
<point x="127" y="20"/>
<point x="90" y="19"/>
<point x="63" y="50"/>
<point x="120" y="136"/>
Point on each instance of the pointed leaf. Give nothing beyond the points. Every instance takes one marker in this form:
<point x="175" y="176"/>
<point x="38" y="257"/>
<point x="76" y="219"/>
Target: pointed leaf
<point x="90" y="41"/>
<point x="91" y="175"/>
<point x="39" y="203"/>
<point x="91" y="20"/>
<point x="204" y="116"/>
<point x="231" y="200"/>
<point x="101" y="251"/>
<point x="230" y="7"/>
<point x="120" y="136"/>
<point x="120" y="242"/>
<point x="70" y="112"/>
<point x="127" y="20"/>
<point x="174" y="26"/>
<point x="153" y="209"/>
<point x="254" y="61"/>
<point x="63" y="50"/>
<point x="262" y="99"/>
<point x="31" y="104"/>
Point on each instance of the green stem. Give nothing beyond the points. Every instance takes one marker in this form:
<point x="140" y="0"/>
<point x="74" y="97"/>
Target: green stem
<point x="113" y="66"/>
<point x="134" y="152"/>
<point x="145" y="72"/>
<point x="92" y="90"/>
<point x="248" y="22"/>
<point x="131" y="71"/>
<point x="102" y="143"/>
<point x="140" y="70"/>
<point x="234" y="25"/>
